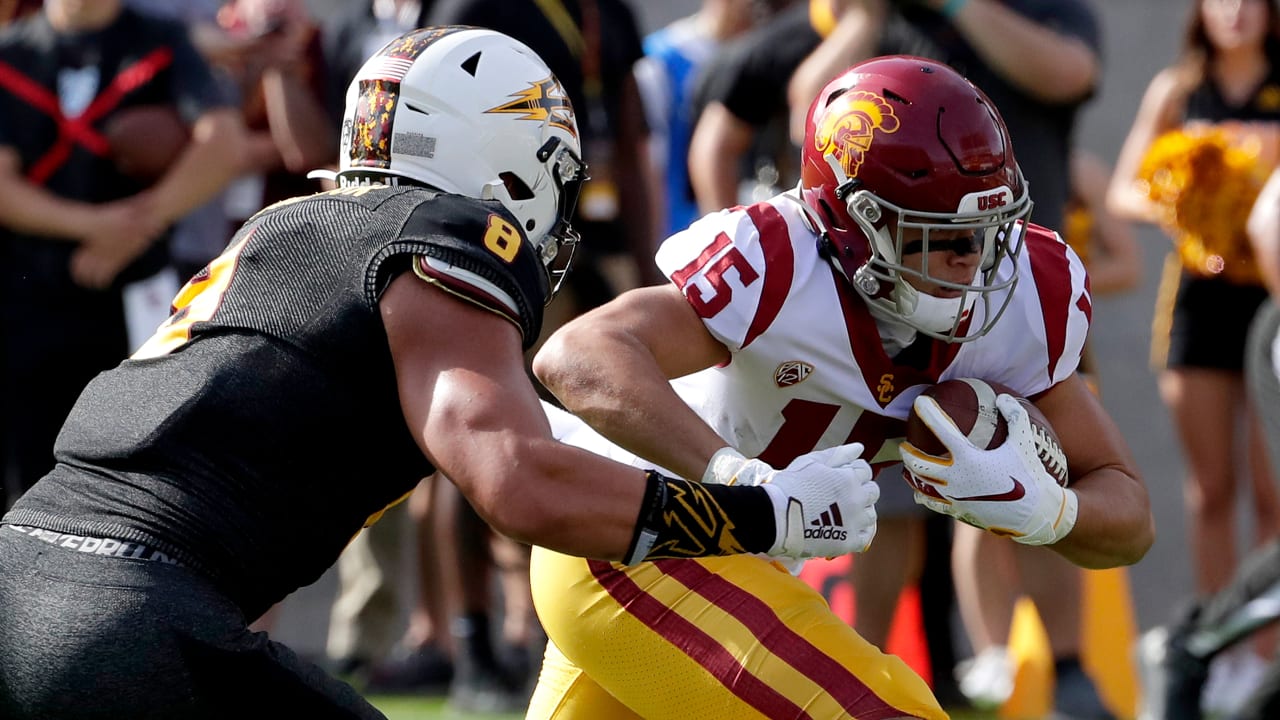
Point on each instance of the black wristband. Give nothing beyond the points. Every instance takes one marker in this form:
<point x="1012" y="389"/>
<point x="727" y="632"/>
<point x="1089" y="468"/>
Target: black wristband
<point x="646" y="533"/>
<point x="683" y="519"/>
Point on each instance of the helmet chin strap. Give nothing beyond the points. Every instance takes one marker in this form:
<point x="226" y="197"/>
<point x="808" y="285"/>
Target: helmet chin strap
<point x="810" y="216"/>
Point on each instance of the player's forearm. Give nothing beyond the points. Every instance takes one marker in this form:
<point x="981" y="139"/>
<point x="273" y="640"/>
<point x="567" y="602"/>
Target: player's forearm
<point x="1114" y="525"/>
<point x="579" y="503"/>
<point x="558" y="515"/>
<point x="655" y="424"/>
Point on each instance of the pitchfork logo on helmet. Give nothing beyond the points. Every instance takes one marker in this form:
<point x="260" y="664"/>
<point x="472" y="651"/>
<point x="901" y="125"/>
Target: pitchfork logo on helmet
<point x="544" y="100"/>
<point x="473" y="112"/>
<point x="902" y="155"/>
<point x="847" y="136"/>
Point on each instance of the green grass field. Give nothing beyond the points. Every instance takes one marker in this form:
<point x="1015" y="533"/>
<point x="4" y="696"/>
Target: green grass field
<point x="433" y="708"/>
<point x="427" y="708"/>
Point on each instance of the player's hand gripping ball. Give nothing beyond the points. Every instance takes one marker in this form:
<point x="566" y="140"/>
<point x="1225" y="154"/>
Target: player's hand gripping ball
<point x="983" y="454"/>
<point x="970" y="403"/>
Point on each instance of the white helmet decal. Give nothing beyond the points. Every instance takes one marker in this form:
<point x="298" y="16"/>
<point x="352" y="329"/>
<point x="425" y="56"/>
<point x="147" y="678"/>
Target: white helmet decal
<point x="544" y="100"/>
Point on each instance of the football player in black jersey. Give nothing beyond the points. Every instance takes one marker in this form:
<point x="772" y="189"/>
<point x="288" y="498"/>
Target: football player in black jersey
<point x="344" y="346"/>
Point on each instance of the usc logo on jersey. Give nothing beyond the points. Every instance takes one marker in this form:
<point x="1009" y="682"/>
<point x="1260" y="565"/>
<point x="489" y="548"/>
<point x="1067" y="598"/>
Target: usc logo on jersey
<point x="848" y="135"/>
<point x="884" y="391"/>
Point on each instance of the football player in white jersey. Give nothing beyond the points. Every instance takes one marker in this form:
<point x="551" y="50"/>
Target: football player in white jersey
<point x="810" y="320"/>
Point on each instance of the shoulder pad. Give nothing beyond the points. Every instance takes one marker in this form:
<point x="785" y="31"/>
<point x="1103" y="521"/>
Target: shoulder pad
<point x="483" y="238"/>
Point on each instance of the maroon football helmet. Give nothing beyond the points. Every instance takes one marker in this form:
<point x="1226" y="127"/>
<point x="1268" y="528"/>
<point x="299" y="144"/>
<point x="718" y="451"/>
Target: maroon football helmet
<point x="904" y="143"/>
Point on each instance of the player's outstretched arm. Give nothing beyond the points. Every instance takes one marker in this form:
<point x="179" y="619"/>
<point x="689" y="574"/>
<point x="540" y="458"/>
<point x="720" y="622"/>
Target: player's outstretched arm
<point x="474" y="413"/>
<point x="611" y="367"/>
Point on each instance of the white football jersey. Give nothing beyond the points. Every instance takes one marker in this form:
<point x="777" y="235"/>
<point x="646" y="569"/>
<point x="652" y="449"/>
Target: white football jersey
<point x="809" y="369"/>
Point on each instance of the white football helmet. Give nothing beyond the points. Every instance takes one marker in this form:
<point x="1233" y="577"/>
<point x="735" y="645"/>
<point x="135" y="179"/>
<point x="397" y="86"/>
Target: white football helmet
<point x="472" y="112"/>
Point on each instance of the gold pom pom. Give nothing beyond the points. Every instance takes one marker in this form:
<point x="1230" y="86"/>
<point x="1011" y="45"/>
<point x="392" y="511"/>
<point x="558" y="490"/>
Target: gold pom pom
<point x="1205" y="181"/>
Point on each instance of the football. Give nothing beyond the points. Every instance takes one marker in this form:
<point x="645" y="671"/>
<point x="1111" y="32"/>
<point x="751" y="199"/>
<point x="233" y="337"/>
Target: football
<point x="971" y="405"/>
<point x="145" y="140"/>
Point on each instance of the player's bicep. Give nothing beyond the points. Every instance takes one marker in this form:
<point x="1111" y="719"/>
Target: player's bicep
<point x="460" y="374"/>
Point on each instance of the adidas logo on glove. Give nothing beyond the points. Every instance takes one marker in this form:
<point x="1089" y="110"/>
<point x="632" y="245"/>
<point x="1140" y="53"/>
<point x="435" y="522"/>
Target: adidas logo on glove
<point x="828" y="526"/>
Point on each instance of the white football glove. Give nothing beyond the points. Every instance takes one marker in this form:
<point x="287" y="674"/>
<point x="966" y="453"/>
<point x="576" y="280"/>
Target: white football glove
<point x="824" y="504"/>
<point x="1005" y="490"/>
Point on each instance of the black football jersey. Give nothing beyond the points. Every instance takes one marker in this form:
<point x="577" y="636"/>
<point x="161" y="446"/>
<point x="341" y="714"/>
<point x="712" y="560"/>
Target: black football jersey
<point x="260" y="428"/>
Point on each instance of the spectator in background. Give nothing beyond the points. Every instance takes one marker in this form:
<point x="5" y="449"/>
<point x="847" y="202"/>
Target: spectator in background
<point x="739" y="151"/>
<point x="1106" y="243"/>
<point x="667" y="75"/>
<point x="1226" y="83"/>
<point x="203" y="232"/>
<point x="83" y="251"/>
<point x="1176" y="658"/>
<point x="366" y="642"/>
<point x="273" y="55"/>
<point x="1039" y="62"/>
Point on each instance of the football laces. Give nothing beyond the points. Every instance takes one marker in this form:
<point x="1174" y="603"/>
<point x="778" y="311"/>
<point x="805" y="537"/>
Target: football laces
<point x="1050" y="454"/>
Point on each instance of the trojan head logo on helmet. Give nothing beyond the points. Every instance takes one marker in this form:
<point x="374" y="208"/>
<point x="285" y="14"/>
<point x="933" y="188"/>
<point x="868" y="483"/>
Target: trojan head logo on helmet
<point x="847" y="136"/>
<point x="472" y="112"/>
<point x="900" y="144"/>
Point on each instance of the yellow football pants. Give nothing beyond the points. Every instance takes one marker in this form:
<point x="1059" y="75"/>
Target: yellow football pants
<point x="732" y="638"/>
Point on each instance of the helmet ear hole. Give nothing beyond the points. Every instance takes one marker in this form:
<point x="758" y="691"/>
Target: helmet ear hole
<point x="517" y="188"/>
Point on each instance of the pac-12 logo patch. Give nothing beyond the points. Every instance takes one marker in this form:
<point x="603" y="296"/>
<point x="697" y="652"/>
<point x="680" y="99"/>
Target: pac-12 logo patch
<point x="791" y="372"/>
